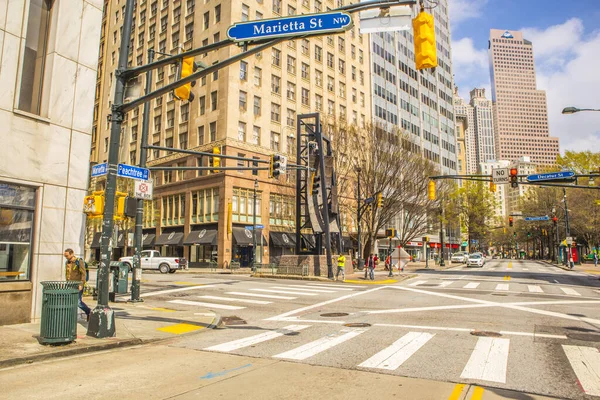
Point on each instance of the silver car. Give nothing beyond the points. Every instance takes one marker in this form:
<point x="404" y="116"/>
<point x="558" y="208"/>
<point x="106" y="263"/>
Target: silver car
<point x="475" y="260"/>
<point x="459" y="257"/>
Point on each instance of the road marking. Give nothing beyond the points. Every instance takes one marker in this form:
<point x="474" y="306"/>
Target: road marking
<point x="488" y="361"/>
<point x="266" y="296"/>
<point x="544" y="335"/>
<point x="447" y="283"/>
<point x="261" y="337"/>
<point x="327" y="285"/>
<point x="202" y="304"/>
<point x="430" y="308"/>
<point x="235" y="299"/>
<point x="477" y="393"/>
<point x="525" y="269"/>
<point x="384" y="282"/>
<point x="392" y="357"/>
<point x="510" y="264"/>
<point x="312" y="321"/>
<point x="417" y="283"/>
<point x="471" y="285"/>
<point x="570" y="291"/>
<point x="304" y="289"/>
<point x="163" y="309"/>
<point x="555" y="281"/>
<point x="158" y="293"/>
<point x="534" y="289"/>
<point x="502" y="286"/>
<point x="585" y="361"/>
<point x="179" y="329"/>
<point x="458" y="389"/>
<point x="285" y="292"/>
<point x="320" y="345"/>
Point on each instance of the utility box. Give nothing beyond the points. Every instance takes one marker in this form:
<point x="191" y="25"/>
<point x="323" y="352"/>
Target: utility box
<point x="118" y="279"/>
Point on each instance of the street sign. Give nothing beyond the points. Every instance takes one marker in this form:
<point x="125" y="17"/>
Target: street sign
<point x="551" y="176"/>
<point x="296" y="25"/>
<point x="129" y="171"/>
<point x="142" y="189"/>
<point x="569" y="240"/>
<point x="99" y="169"/>
<point x="282" y="164"/>
<point x="250" y="227"/>
<point x="544" y="218"/>
<point x="500" y="176"/>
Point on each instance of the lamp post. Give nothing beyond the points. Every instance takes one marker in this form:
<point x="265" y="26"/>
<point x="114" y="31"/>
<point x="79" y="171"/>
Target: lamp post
<point x="442" y="263"/>
<point x="567" y="228"/>
<point x="358" y="171"/>
<point x="254" y="226"/>
<point x="573" y="110"/>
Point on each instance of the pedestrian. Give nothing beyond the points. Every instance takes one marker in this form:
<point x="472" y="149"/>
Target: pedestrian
<point x="595" y="259"/>
<point x="341" y="265"/>
<point x="371" y="266"/>
<point x="387" y="263"/>
<point x="75" y="271"/>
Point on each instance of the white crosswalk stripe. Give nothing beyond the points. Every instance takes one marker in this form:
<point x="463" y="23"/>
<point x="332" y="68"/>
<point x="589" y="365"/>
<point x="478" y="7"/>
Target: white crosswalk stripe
<point x="290" y="287"/>
<point x="417" y="283"/>
<point x="570" y="291"/>
<point x="248" y="301"/>
<point x="488" y="361"/>
<point x="339" y="287"/>
<point x="252" y="340"/>
<point x="209" y="305"/>
<point x="502" y="286"/>
<point x="395" y="355"/>
<point x="585" y="361"/>
<point x="446" y="283"/>
<point x="534" y="289"/>
<point x="320" y="345"/>
<point x="525" y="269"/>
<point x="264" y="296"/>
<point x="471" y="285"/>
<point x="284" y="292"/>
<point x="315" y="286"/>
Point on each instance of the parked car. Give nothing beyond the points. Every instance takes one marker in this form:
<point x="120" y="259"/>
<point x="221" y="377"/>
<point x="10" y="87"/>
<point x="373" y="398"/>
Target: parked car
<point x="475" y="260"/>
<point x="459" y="257"/>
<point x="151" y="259"/>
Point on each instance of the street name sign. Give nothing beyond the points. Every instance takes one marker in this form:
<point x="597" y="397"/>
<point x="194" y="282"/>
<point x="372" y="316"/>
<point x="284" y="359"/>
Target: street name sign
<point x="500" y="176"/>
<point x="296" y="25"/>
<point x="130" y="171"/>
<point x="250" y="227"/>
<point x="142" y="189"/>
<point x="544" y="218"/>
<point x="99" y="169"/>
<point x="551" y="176"/>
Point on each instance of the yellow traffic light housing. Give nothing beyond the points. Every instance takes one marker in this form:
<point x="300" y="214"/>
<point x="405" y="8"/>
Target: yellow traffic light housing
<point x="216" y="160"/>
<point x="431" y="190"/>
<point x="424" y="38"/>
<point x="380" y="200"/>
<point x="492" y="187"/>
<point x="187" y="67"/>
<point x="93" y="205"/>
<point x="274" y="166"/>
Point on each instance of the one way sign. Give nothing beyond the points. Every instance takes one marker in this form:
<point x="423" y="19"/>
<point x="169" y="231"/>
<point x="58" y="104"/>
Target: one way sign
<point x="500" y="176"/>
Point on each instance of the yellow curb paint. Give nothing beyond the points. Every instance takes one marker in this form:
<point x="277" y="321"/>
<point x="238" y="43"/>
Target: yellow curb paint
<point x="589" y="271"/>
<point x="386" y="282"/>
<point x="510" y="264"/>
<point x="163" y="309"/>
<point x="477" y="393"/>
<point x="458" y="389"/>
<point x="178" y="329"/>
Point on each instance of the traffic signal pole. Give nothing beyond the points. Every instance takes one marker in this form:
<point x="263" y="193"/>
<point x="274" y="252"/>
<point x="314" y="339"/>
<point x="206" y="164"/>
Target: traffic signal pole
<point x="102" y="318"/>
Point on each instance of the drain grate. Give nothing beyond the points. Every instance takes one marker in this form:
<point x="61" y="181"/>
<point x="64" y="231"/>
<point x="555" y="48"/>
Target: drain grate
<point x="334" y="314"/>
<point x="357" y="325"/>
<point x="233" y="321"/>
<point x="485" y="333"/>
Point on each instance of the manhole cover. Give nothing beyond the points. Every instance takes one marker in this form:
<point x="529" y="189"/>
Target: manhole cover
<point x="233" y="321"/>
<point x="357" y="325"/>
<point x="485" y="333"/>
<point x="334" y="314"/>
<point x="586" y="337"/>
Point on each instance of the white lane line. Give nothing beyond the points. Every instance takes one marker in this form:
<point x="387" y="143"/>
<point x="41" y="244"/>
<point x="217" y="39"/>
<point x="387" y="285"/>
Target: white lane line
<point x="471" y="285"/>
<point x="320" y="345"/>
<point x="158" y="293"/>
<point x="285" y="292"/>
<point x="585" y="361"/>
<point x="544" y="335"/>
<point x="431" y="308"/>
<point x="534" y="289"/>
<point x="261" y="337"/>
<point x="328" y="287"/>
<point x="555" y="281"/>
<point x="570" y="291"/>
<point x="392" y="357"/>
<point x="525" y="269"/>
<point x="266" y="296"/>
<point x="488" y="361"/>
<point x="235" y="299"/>
<point x="303" y="289"/>
<point x="417" y="283"/>
<point x="447" y="283"/>
<point x="339" y="287"/>
<point x="502" y="286"/>
<point x="450" y="329"/>
<point x="202" y="304"/>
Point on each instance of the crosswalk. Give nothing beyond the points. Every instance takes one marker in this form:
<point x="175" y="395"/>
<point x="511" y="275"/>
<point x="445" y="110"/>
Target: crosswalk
<point x="554" y="289"/>
<point x="485" y="359"/>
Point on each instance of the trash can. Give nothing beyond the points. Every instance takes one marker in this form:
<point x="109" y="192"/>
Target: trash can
<point x="119" y="279"/>
<point x="59" y="311"/>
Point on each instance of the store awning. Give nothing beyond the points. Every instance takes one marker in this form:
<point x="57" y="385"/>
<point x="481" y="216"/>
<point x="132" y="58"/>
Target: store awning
<point x="283" y="239"/>
<point x="96" y="241"/>
<point x="119" y="245"/>
<point x="243" y="237"/>
<point x="148" y="239"/>
<point x="170" y="239"/>
<point x="308" y="240"/>
<point x="120" y="241"/>
<point x="203" y="236"/>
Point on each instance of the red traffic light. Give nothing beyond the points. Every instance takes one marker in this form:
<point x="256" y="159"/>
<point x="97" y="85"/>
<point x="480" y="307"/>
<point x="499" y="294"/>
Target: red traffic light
<point x="555" y="220"/>
<point x="514" y="172"/>
<point x="510" y="221"/>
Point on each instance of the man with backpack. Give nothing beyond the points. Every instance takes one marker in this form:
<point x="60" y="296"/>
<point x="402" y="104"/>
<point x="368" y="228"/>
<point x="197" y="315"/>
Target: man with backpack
<point x="76" y="270"/>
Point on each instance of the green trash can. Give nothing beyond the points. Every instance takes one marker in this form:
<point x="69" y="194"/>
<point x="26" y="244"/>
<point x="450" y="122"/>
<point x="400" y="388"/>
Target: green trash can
<point x="59" y="311"/>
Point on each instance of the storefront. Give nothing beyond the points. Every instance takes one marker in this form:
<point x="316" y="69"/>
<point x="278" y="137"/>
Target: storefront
<point x="118" y="247"/>
<point x="242" y="246"/>
<point x="171" y="243"/>
<point x="203" y="247"/>
<point x="148" y="240"/>
<point x="280" y="244"/>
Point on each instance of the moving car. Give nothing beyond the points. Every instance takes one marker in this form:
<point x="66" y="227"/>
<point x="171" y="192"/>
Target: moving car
<point x="459" y="257"/>
<point x="475" y="260"/>
<point x="151" y="259"/>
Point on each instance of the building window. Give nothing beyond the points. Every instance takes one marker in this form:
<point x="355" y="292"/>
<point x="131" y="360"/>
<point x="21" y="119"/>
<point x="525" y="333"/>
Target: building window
<point x="291" y="64"/>
<point x="305" y="46"/>
<point x="17" y="205"/>
<point x="256" y="135"/>
<point x="34" y="59"/>
<point x="183" y="140"/>
<point x="291" y="10"/>
<point x="330" y="60"/>
<point x="170" y="119"/>
<point x="243" y="101"/>
<point x="206" y="20"/>
<point x="330" y="84"/>
<point x="277" y="6"/>
<point x="275" y="112"/>
<point x="257" y="76"/>
<point x="291" y="91"/>
<point x="276" y="55"/>
<point x="291" y="117"/>
<point x="242" y="203"/>
<point x="202" y="103"/>
<point x="213" y="131"/>
<point x="213" y="100"/>
<point x="305" y="97"/>
<point x="275" y="139"/>
<point x="242" y="131"/>
<point x="305" y="68"/>
<point x="185" y="112"/>
<point x="217" y="14"/>
<point x="318" y="54"/>
<point x="318" y="78"/>
<point x="157" y="123"/>
<point x="319" y="102"/>
<point x="281" y="210"/>
<point x="257" y="105"/>
<point x="245" y="12"/>
<point x="243" y="70"/>
<point x="173" y="209"/>
<point x="201" y="135"/>
<point x="275" y="84"/>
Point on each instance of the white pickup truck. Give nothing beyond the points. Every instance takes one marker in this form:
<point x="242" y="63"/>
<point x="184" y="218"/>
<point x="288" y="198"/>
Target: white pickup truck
<point x="151" y="259"/>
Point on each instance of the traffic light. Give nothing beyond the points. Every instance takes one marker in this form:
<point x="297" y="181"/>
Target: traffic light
<point x="431" y="190"/>
<point x="121" y="200"/>
<point x="187" y="67"/>
<point x="515" y="234"/>
<point x="216" y="160"/>
<point x="426" y="239"/>
<point x="275" y="166"/>
<point x="514" y="177"/>
<point x="316" y="184"/>
<point x="380" y="200"/>
<point x="492" y="187"/>
<point x="555" y="221"/>
<point x="528" y="234"/>
<point x="510" y="221"/>
<point x="94" y="205"/>
<point x="424" y="38"/>
<point x="390" y="233"/>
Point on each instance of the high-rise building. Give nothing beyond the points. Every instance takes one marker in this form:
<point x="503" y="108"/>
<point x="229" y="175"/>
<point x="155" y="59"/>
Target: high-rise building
<point x="248" y="109"/>
<point x="500" y="196"/>
<point x="461" y="150"/>
<point x="49" y="60"/>
<point x="513" y="195"/>
<point x="520" y="110"/>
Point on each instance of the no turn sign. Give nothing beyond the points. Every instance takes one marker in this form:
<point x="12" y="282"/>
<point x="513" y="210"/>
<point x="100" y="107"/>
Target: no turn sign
<point x="500" y="176"/>
<point x="143" y="189"/>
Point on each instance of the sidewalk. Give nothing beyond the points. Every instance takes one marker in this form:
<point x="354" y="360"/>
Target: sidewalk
<point x="587" y="268"/>
<point x="136" y="323"/>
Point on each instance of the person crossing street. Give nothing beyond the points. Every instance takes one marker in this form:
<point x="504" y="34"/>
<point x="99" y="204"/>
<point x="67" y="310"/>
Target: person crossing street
<point x="341" y="265"/>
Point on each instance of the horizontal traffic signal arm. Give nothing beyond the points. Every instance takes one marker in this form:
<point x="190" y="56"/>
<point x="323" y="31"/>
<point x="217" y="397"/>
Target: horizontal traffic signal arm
<point x="522" y="181"/>
<point x="133" y="72"/>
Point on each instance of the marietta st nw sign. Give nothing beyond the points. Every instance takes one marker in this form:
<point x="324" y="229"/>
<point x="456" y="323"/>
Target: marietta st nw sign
<point x="500" y="176"/>
<point x="99" y="169"/>
<point x="289" y="26"/>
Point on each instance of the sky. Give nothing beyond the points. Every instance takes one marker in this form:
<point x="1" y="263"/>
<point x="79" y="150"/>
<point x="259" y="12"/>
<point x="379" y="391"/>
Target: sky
<point x="566" y="47"/>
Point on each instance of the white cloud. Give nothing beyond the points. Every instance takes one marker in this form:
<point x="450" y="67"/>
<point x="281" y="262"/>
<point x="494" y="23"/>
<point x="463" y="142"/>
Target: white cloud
<point x="462" y="10"/>
<point x="553" y="45"/>
<point x="470" y="66"/>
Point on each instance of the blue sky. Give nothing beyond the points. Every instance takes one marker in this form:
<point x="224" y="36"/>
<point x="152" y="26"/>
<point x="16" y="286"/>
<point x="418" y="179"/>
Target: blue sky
<point x="566" y="45"/>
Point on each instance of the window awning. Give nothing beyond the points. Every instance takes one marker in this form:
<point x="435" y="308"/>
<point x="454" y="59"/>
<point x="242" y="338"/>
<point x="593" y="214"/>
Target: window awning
<point x="148" y="239"/>
<point x="170" y="239"/>
<point x="243" y="237"/>
<point x="203" y="236"/>
<point x="96" y="241"/>
<point x="283" y="239"/>
<point x="119" y="245"/>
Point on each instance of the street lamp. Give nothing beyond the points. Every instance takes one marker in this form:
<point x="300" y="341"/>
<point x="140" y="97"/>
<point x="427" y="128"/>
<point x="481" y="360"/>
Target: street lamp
<point x="568" y="229"/>
<point x="573" y="110"/>
<point x="254" y="227"/>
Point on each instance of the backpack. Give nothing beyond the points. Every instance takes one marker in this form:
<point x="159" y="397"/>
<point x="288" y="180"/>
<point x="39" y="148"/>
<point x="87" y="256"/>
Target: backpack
<point x="87" y="268"/>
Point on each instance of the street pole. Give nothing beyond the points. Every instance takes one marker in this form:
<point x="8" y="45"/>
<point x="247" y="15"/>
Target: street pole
<point x="568" y="229"/>
<point x="102" y="318"/>
<point x="254" y="227"/>
<point x="442" y="263"/>
<point x="391" y="274"/>
<point x="139" y="214"/>
<point x="358" y="171"/>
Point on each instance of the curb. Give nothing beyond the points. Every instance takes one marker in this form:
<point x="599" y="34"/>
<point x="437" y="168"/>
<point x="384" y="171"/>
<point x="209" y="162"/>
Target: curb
<point x="293" y="277"/>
